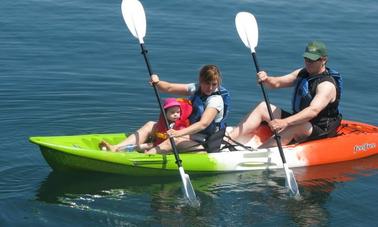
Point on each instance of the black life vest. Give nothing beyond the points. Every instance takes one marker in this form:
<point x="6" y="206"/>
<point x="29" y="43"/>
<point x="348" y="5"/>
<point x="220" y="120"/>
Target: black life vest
<point x="305" y="90"/>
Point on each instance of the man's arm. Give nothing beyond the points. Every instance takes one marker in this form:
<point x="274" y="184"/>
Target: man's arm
<point x="325" y="94"/>
<point x="278" y="81"/>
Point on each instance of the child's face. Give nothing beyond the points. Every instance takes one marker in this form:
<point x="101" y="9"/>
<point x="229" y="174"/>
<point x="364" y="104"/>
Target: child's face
<point x="173" y="113"/>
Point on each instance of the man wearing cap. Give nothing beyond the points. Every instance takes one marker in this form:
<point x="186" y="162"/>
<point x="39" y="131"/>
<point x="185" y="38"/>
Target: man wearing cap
<point x="315" y="102"/>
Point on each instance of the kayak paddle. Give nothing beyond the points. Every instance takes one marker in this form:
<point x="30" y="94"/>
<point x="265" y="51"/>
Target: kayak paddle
<point x="135" y="19"/>
<point x="246" y="26"/>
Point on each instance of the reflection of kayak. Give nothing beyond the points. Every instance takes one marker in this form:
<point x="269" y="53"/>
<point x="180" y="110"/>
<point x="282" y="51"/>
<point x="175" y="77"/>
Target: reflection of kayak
<point x="337" y="172"/>
<point x="62" y="188"/>
<point x="355" y="140"/>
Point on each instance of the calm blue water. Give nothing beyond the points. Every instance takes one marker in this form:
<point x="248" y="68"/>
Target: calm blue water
<point x="72" y="67"/>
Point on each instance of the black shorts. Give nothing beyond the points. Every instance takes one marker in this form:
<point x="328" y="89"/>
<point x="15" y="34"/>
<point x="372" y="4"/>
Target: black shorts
<point x="323" y="129"/>
<point x="211" y="142"/>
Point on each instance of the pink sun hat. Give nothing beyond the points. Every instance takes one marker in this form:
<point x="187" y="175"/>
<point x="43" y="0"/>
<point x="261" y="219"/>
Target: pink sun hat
<point x="169" y="102"/>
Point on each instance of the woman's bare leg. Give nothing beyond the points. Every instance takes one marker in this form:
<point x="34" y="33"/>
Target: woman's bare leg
<point x="296" y="132"/>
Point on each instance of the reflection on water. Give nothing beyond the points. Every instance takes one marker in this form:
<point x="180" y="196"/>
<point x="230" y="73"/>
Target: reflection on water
<point x="318" y="182"/>
<point x="337" y="172"/>
<point x="250" y="197"/>
<point x="58" y="185"/>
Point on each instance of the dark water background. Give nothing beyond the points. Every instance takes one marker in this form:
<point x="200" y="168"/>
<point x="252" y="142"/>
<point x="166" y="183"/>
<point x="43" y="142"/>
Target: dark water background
<point x="72" y="67"/>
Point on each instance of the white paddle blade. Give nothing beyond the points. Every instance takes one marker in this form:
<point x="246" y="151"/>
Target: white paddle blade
<point x="191" y="195"/>
<point x="291" y="183"/>
<point x="248" y="31"/>
<point x="188" y="188"/>
<point x="135" y="18"/>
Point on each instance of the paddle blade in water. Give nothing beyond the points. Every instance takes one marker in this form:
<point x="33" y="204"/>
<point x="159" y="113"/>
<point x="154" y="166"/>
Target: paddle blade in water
<point x="248" y="31"/>
<point x="291" y="183"/>
<point x="188" y="189"/>
<point x="191" y="195"/>
<point x="135" y="18"/>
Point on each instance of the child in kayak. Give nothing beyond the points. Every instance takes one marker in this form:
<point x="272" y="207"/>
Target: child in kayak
<point x="177" y="112"/>
<point x="211" y="105"/>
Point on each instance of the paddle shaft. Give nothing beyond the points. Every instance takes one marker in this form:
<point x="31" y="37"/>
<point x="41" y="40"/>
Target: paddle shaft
<point x="173" y="144"/>
<point x="277" y="137"/>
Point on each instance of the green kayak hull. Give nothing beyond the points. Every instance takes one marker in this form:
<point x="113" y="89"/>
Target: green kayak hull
<point x="355" y="140"/>
<point x="73" y="153"/>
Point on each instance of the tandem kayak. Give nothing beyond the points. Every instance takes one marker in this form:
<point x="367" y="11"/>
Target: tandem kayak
<point x="354" y="140"/>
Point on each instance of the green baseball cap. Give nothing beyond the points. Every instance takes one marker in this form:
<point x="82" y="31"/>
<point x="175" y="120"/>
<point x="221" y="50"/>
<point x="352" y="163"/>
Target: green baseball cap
<point x="315" y="50"/>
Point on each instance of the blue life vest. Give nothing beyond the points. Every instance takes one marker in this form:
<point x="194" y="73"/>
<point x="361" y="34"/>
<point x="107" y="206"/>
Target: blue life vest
<point x="303" y="94"/>
<point x="198" y="102"/>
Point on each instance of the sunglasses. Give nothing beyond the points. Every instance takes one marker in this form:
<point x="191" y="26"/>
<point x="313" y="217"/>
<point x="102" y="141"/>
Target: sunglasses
<point x="311" y="61"/>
